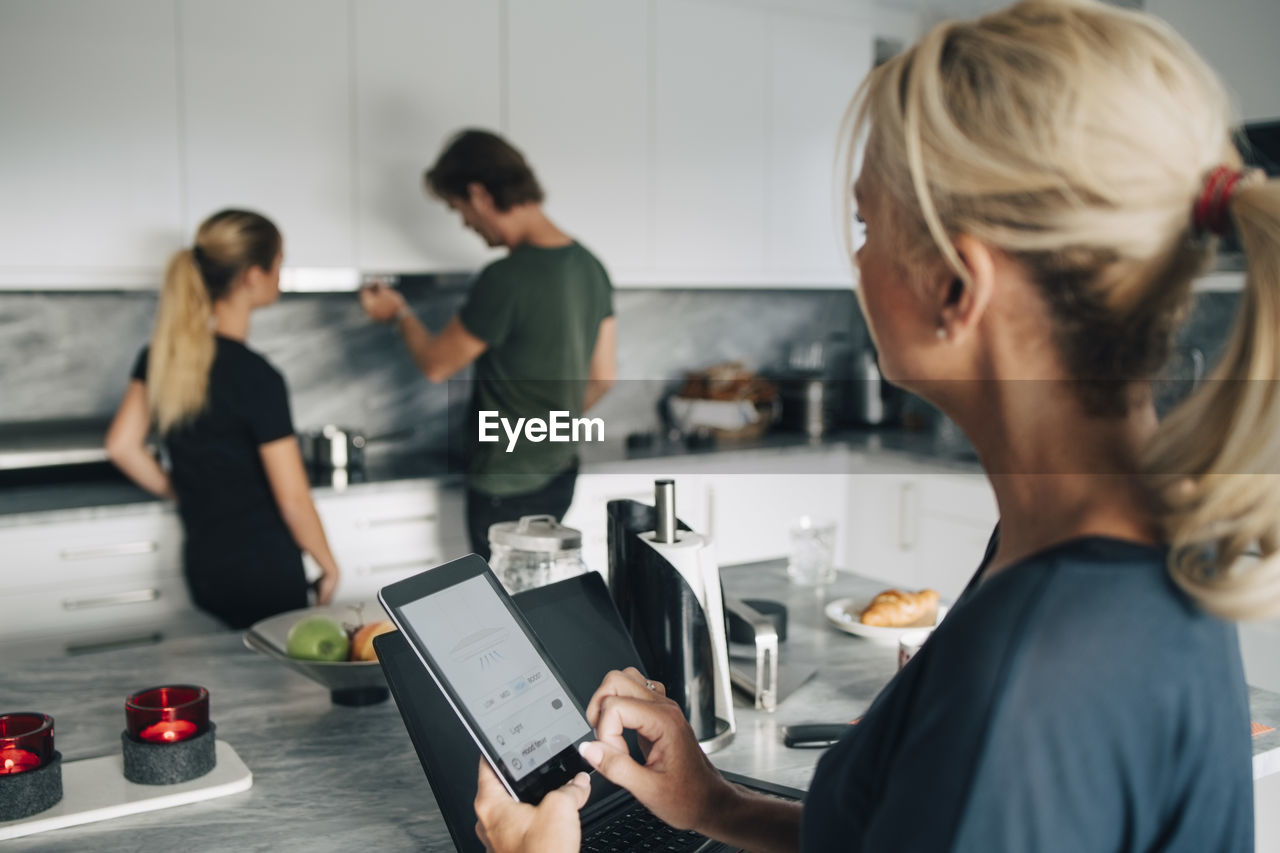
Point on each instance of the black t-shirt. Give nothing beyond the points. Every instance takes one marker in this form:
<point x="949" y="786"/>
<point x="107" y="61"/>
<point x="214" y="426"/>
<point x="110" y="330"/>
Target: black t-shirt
<point x="1077" y="702"/>
<point x="223" y="495"/>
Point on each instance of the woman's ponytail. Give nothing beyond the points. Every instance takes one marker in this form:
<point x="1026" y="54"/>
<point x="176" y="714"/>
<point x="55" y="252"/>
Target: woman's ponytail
<point x="1215" y="460"/>
<point x="182" y="345"/>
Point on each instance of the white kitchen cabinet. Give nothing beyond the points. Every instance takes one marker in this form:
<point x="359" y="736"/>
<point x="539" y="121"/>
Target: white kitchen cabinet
<point x="89" y="129"/>
<point x="380" y="537"/>
<point x="266" y="120"/>
<point x="422" y="71"/>
<point x="918" y="526"/>
<point x="817" y="64"/>
<point x="578" y="74"/>
<point x="710" y="140"/>
<point x="82" y="585"/>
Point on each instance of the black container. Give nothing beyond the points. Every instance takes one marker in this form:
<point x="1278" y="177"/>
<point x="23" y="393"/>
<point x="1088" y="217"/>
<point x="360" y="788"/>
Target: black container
<point x="663" y="615"/>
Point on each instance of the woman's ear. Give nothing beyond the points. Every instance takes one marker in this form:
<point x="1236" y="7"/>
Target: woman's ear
<point x="964" y="302"/>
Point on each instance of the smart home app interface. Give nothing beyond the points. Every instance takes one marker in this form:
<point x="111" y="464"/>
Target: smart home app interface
<point x="494" y="668"/>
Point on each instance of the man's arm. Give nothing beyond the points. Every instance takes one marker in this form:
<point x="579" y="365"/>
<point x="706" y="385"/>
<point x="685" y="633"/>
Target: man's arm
<point x="437" y="356"/>
<point x="604" y="363"/>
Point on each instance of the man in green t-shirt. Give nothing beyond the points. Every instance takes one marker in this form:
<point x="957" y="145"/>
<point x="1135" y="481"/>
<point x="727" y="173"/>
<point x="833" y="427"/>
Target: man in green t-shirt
<point x="538" y="324"/>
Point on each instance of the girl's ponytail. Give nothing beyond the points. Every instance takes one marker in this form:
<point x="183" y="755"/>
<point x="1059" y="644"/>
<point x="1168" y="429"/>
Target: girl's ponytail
<point x="182" y="345"/>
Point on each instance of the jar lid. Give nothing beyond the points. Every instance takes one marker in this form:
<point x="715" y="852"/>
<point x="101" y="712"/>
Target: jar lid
<point x="535" y="533"/>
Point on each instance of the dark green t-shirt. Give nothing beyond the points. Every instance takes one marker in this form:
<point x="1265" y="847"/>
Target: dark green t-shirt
<point x="539" y="310"/>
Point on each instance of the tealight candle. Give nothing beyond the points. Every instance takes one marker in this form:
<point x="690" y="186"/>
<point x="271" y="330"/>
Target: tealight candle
<point x="168" y="714"/>
<point x="168" y="737"/>
<point x="26" y="742"/>
<point x="30" y="768"/>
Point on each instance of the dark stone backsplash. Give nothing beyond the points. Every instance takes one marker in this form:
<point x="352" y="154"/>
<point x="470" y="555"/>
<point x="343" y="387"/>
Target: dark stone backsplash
<point x="68" y="355"/>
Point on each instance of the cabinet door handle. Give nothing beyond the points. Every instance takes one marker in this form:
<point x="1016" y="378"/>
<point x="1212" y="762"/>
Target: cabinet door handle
<point x="124" y="549"/>
<point x="907" y="511"/>
<point x="135" y="597"/>
<point x="395" y="519"/>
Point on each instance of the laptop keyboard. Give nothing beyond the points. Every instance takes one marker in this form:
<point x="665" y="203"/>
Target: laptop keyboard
<point x="639" y="830"/>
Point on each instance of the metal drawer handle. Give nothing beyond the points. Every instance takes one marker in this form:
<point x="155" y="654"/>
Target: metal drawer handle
<point x="123" y="550"/>
<point x="395" y="519"/>
<point x="119" y="643"/>
<point x="135" y="597"/>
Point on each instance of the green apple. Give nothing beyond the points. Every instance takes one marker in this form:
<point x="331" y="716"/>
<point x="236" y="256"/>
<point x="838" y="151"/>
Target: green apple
<point x="317" y="638"/>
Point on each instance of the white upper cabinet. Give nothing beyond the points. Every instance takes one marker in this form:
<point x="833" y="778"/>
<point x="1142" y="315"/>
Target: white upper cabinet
<point x="687" y="142"/>
<point x="749" y="101"/>
<point x="267" y="119"/>
<point x="817" y="66"/>
<point x="578" y="107"/>
<point x="423" y="70"/>
<point x="710" y="142"/>
<point x="89" y="180"/>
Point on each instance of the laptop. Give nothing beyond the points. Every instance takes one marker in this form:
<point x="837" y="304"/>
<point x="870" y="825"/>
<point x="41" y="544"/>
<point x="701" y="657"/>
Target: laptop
<point x="578" y="624"/>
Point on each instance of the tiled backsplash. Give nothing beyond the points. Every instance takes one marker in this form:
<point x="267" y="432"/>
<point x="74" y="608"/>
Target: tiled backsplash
<point x="68" y="355"/>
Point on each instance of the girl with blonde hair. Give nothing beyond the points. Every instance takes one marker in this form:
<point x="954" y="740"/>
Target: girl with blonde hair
<point x="1038" y="187"/>
<point x="223" y="413"/>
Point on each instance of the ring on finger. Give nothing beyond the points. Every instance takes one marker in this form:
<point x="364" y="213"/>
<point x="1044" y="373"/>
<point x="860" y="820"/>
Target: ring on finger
<point x="651" y="687"/>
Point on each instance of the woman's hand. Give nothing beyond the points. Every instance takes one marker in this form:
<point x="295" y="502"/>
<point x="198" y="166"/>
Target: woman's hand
<point x="326" y="586"/>
<point x="382" y="303"/>
<point x="677" y="782"/>
<point x="509" y="826"/>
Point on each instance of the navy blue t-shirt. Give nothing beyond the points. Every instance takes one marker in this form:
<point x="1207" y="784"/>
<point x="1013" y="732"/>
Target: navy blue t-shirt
<point x="1077" y="701"/>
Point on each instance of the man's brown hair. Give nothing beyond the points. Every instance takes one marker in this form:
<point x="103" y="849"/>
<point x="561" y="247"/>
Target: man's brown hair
<point x="478" y="156"/>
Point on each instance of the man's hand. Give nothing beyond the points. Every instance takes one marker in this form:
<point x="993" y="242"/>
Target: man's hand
<point x="509" y="826"/>
<point x="382" y="303"/>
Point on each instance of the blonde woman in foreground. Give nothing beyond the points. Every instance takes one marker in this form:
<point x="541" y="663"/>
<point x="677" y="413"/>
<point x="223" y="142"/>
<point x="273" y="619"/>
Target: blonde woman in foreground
<point x="223" y="413"/>
<point x="1039" y="188"/>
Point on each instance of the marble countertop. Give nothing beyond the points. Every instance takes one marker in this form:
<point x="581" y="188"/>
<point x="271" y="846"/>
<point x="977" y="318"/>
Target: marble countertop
<point x="329" y="777"/>
<point x="109" y="494"/>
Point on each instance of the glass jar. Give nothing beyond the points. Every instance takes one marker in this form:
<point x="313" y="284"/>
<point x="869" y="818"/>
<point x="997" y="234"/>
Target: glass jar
<point x="534" y="551"/>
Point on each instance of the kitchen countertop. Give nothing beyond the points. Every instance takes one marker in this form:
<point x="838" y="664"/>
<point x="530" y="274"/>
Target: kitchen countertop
<point x="340" y="778"/>
<point x="104" y="492"/>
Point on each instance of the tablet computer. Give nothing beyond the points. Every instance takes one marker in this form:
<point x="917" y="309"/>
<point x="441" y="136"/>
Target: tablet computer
<point x="494" y="672"/>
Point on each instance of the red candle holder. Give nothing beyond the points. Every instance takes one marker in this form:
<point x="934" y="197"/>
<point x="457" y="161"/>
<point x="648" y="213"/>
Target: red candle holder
<point x="168" y="714"/>
<point x="168" y="737"/>
<point x="26" y="742"/>
<point x="30" y="768"/>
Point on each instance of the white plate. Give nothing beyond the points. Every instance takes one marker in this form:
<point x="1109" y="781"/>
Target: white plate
<point x="844" y="613"/>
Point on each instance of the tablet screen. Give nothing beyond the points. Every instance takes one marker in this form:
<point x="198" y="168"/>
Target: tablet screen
<point x="477" y="645"/>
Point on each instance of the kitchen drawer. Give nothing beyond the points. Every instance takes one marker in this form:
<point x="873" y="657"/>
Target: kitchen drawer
<point x="61" y="611"/>
<point x="356" y="516"/>
<point x="146" y="546"/>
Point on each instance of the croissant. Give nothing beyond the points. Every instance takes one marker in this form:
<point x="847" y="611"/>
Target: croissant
<point x="897" y="609"/>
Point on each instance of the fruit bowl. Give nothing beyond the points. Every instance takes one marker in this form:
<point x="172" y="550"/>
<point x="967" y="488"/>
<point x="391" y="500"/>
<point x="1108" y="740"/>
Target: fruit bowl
<point x="349" y="682"/>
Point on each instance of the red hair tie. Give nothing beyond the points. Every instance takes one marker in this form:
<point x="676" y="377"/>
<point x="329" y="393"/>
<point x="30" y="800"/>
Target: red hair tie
<point x="1215" y="199"/>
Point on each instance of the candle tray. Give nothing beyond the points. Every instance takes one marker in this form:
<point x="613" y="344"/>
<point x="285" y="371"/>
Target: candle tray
<point x="95" y="789"/>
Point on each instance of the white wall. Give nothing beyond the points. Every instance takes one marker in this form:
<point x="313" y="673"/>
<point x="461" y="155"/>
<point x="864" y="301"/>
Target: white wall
<point x="1239" y="39"/>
